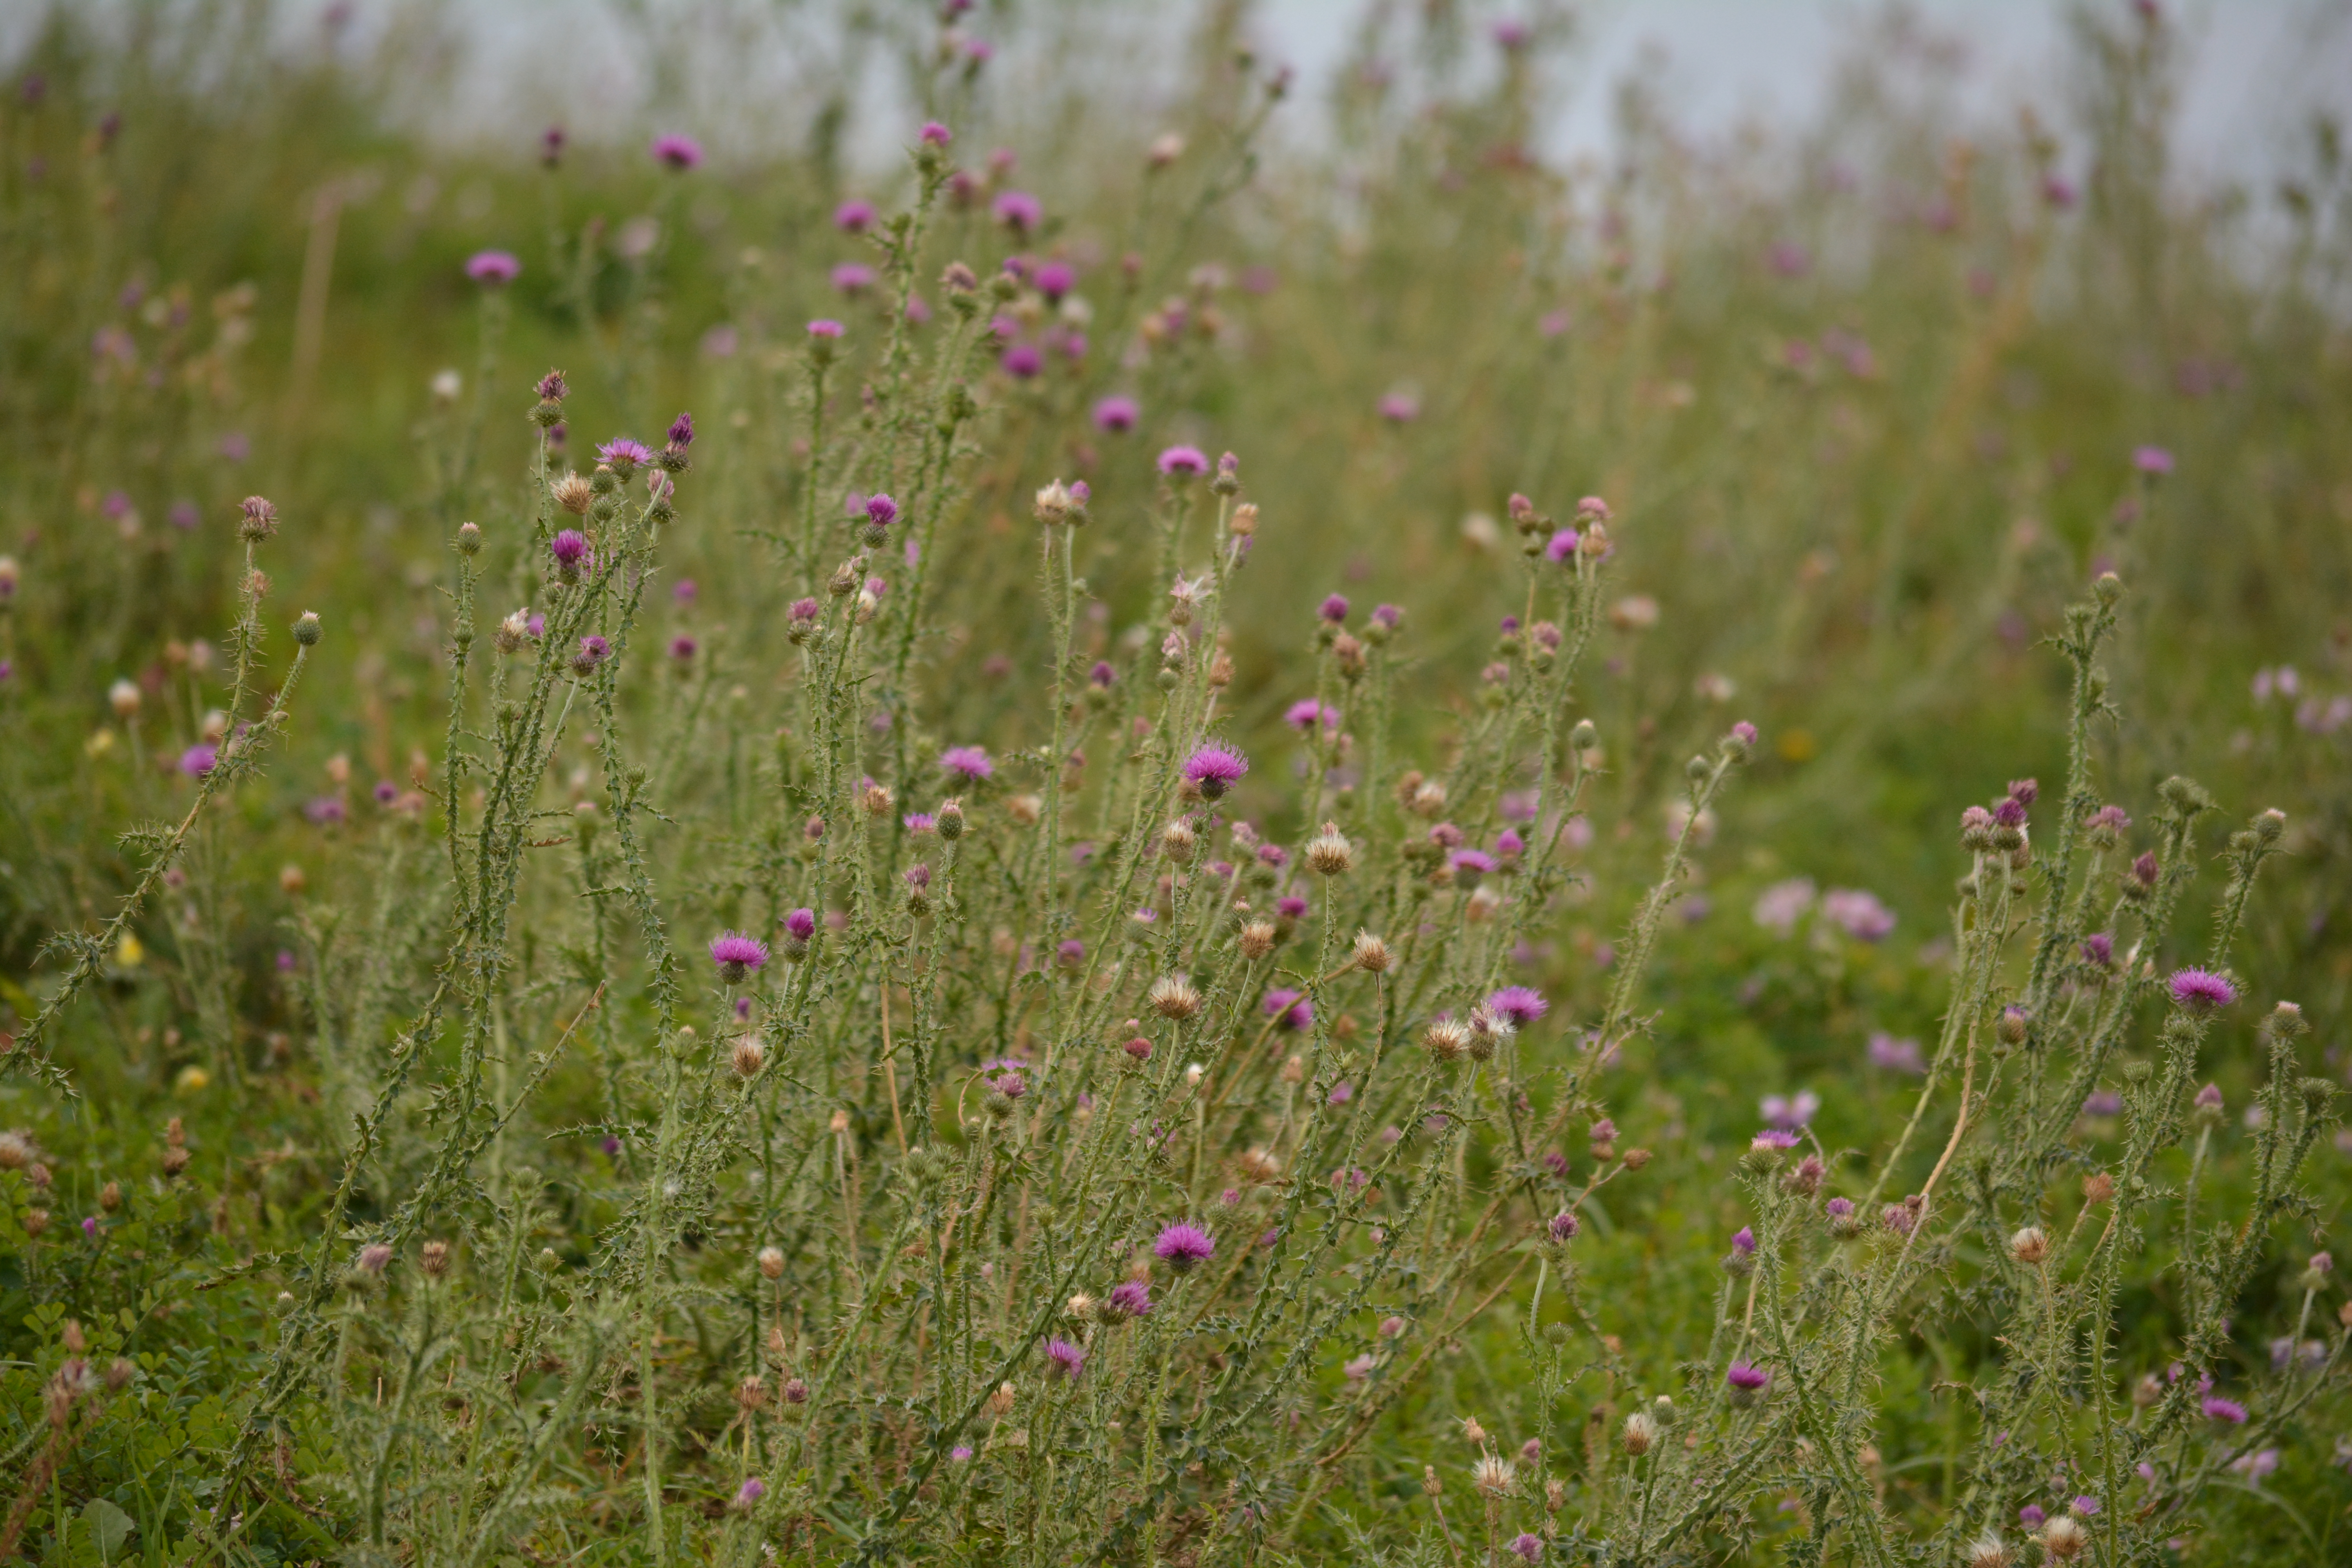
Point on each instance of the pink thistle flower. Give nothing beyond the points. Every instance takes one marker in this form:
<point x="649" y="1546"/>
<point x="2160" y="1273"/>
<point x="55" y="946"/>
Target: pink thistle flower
<point x="1184" y="462"/>
<point x="853" y="278"/>
<point x="1562" y="547"/>
<point x="1304" y="714"/>
<point x="198" y="760"/>
<point x="677" y="152"/>
<point x="968" y="761"/>
<point x="1526" y="1547"/>
<point x="2227" y="1411"/>
<point x="1563" y="1227"/>
<point x="737" y="956"/>
<point x="1520" y="1004"/>
<point x="1021" y="361"/>
<point x="2201" y="990"/>
<point x="624" y="455"/>
<point x="1182" y="1245"/>
<point x="824" y="330"/>
<point x="801" y="924"/>
<point x="1215" y="769"/>
<point x="1131" y="1298"/>
<point x="1400" y="408"/>
<point x="1018" y="210"/>
<point x="749" y="1494"/>
<point x="493" y="269"/>
<point x="935" y="135"/>
<point x="1116" y="415"/>
<point x="1748" y="1376"/>
<point x="2152" y="461"/>
<point x="1334" y="608"/>
<point x="1291" y="1008"/>
<point x="853" y="216"/>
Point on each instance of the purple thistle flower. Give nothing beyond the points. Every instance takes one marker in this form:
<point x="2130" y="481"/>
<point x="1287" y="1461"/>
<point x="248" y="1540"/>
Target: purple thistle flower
<point x="1857" y="913"/>
<point x="1103" y="676"/>
<point x="1744" y="733"/>
<point x="1563" y="1227"/>
<point x="572" y="553"/>
<point x="1748" y="1376"/>
<point x="918" y="822"/>
<point x="935" y="135"/>
<point x="387" y="792"/>
<point x="1841" y="1208"/>
<point x="1291" y="1008"/>
<point x="1182" y="1245"/>
<point x="753" y="1489"/>
<point x="492" y="268"/>
<point x="1184" y="462"/>
<point x="681" y="436"/>
<point x="881" y="511"/>
<point x="1528" y="1547"/>
<point x="1521" y="1005"/>
<point x="1054" y="280"/>
<point x="801" y="924"/>
<point x="1274" y="855"/>
<point x="1469" y="865"/>
<point x="1019" y="211"/>
<point x="1386" y="616"/>
<point x="682" y="647"/>
<point x="2099" y="950"/>
<point x="1290" y="906"/>
<point x="2152" y="460"/>
<point x="1562" y="548"/>
<point x="323" y="811"/>
<point x="853" y="216"/>
<point x="1117" y="415"/>
<point x="1789" y="1111"/>
<point x="737" y="956"/>
<point x="1773" y="1137"/>
<point x="2031" y="1516"/>
<point x="198" y="760"/>
<point x="1021" y="361"/>
<point x="1303" y="713"/>
<point x="678" y="153"/>
<point x="1743" y="1242"/>
<point x="2201" y="990"/>
<point x="1215" y="769"/>
<point x="1334" y="608"/>
<point x="1896" y="1055"/>
<point x="2217" y="1408"/>
<point x="1131" y="1298"/>
<point x="1400" y="408"/>
<point x="960" y="1454"/>
<point x="624" y="455"/>
<point x="2105" y="1102"/>
<point x="1509" y="844"/>
<point x="853" y="278"/>
<point x="968" y="761"/>
<point x="592" y="652"/>
<point x="824" y="330"/>
<point x="803" y="610"/>
<point x="1341" y="1093"/>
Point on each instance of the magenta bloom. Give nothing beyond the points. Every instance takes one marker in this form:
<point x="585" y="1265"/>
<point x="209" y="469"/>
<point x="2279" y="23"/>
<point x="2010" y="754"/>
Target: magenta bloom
<point x="682" y="647"/>
<point x="1064" y="1359"/>
<point x="1563" y="1227"/>
<point x="881" y="511"/>
<point x="1182" y="1245"/>
<point x="1562" y="548"/>
<point x="854" y="217"/>
<point x="1743" y="1242"/>
<point x="1744" y="1375"/>
<point x="1019" y="211"/>
<point x="2152" y="460"/>
<point x="1520" y="1004"/>
<point x="1334" y="609"/>
<point x="676" y="152"/>
<point x="1773" y="1137"/>
<point x="1400" y="408"/>
<point x="624" y="455"/>
<point x="1896" y="1055"/>
<point x="969" y="761"/>
<point x="823" y="329"/>
<point x="2099" y="950"/>
<point x="593" y="652"/>
<point x="1469" y="865"/>
<point x="2217" y="1408"/>
<point x="1184" y="462"/>
<point x="753" y="1489"/>
<point x="853" y="278"/>
<point x="801" y="924"/>
<point x="936" y="134"/>
<point x="2032" y="1516"/>
<point x="1117" y="415"/>
<point x="737" y="956"/>
<point x="1290" y="1008"/>
<point x="1131" y="1298"/>
<point x="1055" y="280"/>
<point x="1303" y="713"/>
<point x="198" y="760"/>
<point x="1215" y="769"/>
<point x="2201" y="990"/>
<point x="1525" y="1546"/>
<point x="1021" y="361"/>
<point x="1857" y="913"/>
<point x="493" y="268"/>
<point x="572" y="553"/>
<point x="1744" y="733"/>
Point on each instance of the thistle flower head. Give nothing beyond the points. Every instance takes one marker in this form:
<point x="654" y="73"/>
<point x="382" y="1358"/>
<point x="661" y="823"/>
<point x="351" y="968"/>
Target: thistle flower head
<point x="1182" y="1245"/>
<point x="1116" y="414"/>
<point x="1562" y="1226"/>
<point x="1214" y="769"/>
<point x="624" y="455"/>
<point x="967" y="763"/>
<point x="2228" y="1412"/>
<point x="1172" y="996"/>
<point x="1063" y="1359"/>
<point x="259" y="520"/>
<point x="801" y="924"/>
<point x="1527" y="1546"/>
<point x="677" y="152"/>
<point x="493" y="269"/>
<point x="1184" y="462"/>
<point x="1131" y="1299"/>
<point x="737" y="956"/>
<point x="1495" y="1476"/>
<point x="2201" y="990"/>
<point x="1520" y="1004"/>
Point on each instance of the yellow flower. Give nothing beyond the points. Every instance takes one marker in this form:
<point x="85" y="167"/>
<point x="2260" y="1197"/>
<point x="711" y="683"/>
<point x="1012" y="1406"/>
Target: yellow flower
<point x="128" y="953"/>
<point x="193" y="1079"/>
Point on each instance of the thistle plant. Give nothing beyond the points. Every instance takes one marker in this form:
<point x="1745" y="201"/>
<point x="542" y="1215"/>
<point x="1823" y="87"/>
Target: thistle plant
<point x="916" y="987"/>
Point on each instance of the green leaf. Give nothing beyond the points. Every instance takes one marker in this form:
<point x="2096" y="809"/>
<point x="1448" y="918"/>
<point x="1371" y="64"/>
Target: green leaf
<point x="109" y="1527"/>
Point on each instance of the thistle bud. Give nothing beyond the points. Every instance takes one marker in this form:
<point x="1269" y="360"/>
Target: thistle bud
<point x="434" y="1259"/>
<point x="2009" y="1028"/>
<point x="1257" y="939"/>
<point x="1641" y="1432"/>
<point x="949" y="820"/>
<point x="1328" y="853"/>
<point x="307" y="629"/>
<point x="1446" y="1039"/>
<point x="748" y="1057"/>
<point x="1172" y="996"/>
<point x="1000" y="1404"/>
<point x="2029" y="1246"/>
<point x="260" y="520"/>
<point x="1177" y="841"/>
<point x="469" y="540"/>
